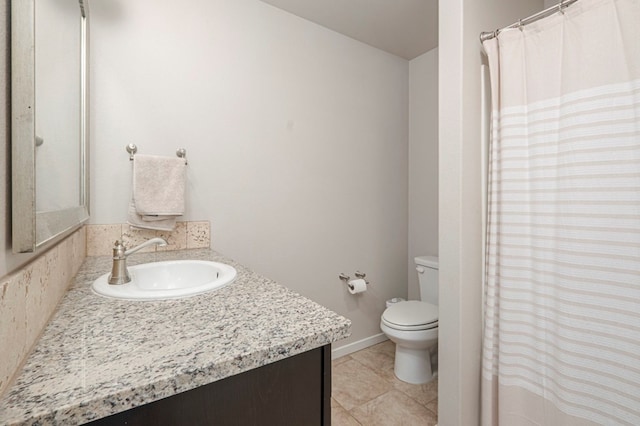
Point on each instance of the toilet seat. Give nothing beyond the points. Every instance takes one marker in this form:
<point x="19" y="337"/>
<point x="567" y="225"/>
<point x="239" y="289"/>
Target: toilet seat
<point x="411" y="315"/>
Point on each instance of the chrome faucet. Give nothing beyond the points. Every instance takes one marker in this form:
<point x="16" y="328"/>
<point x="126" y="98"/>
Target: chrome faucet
<point x="119" y="272"/>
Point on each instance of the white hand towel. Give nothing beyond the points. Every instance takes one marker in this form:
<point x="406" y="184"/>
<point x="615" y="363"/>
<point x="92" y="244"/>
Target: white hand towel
<point x="158" y="185"/>
<point x="160" y="223"/>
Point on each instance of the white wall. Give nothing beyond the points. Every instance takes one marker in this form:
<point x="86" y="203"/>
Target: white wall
<point x="460" y="248"/>
<point x="423" y="162"/>
<point x="296" y="138"/>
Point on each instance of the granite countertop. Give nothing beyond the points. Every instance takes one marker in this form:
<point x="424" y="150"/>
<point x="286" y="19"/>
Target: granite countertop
<point x="101" y="356"/>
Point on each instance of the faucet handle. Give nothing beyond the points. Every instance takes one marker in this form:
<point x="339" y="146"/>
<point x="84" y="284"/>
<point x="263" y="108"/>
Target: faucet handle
<point x="119" y="249"/>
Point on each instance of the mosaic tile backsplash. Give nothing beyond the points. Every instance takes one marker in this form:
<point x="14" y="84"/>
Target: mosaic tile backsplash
<point x="187" y="235"/>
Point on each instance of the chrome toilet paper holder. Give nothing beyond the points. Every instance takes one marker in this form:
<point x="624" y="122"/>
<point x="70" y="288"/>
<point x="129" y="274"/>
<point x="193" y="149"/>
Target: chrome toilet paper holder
<point x="346" y="278"/>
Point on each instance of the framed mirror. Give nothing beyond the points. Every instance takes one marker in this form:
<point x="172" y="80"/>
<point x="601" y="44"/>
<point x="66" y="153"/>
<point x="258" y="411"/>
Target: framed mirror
<point x="49" y="120"/>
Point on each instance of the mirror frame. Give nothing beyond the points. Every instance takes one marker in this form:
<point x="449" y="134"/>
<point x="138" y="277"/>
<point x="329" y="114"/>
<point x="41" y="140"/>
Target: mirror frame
<point x="31" y="229"/>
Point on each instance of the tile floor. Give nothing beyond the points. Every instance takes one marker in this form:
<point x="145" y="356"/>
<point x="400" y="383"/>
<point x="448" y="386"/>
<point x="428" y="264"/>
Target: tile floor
<point x="366" y="392"/>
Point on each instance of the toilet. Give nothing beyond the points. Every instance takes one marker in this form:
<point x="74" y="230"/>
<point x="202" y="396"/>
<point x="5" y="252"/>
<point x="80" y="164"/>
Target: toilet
<point x="413" y="326"/>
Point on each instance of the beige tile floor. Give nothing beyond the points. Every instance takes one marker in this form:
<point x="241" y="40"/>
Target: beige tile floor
<point x="366" y="392"/>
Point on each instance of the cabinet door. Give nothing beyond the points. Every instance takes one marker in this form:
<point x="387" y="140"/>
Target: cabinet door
<point x="294" y="391"/>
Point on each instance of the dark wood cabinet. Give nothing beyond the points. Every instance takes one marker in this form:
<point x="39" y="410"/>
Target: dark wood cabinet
<point x="294" y="391"/>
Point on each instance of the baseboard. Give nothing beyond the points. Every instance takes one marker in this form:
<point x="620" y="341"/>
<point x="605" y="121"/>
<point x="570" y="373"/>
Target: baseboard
<point x="359" y="345"/>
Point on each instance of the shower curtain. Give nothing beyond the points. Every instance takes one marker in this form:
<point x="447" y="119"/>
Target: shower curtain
<point x="561" y="342"/>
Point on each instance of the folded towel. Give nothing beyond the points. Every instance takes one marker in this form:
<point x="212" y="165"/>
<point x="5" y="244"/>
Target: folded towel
<point x="158" y="185"/>
<point x="158" y="192"/>
<point x="160" y="223"/>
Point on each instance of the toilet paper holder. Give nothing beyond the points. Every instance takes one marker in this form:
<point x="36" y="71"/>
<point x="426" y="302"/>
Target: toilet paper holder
<point x="346" y="278"/>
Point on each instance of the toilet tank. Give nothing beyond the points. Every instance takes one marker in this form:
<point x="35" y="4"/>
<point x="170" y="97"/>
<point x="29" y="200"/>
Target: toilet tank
<point x="427" y="268"/>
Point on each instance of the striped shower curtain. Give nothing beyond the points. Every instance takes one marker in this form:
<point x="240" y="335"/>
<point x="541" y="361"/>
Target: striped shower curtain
<point x="561" y="342"/>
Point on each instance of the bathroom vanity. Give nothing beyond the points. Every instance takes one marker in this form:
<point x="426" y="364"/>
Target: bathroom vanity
<point x="252" y="352"/>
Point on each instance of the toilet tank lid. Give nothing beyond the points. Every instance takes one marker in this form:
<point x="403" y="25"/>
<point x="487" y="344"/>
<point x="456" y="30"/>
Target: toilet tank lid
<point x="428" y="261"/>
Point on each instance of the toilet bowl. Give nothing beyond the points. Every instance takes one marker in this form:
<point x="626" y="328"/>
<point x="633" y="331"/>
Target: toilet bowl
<point x="413" y="327"/>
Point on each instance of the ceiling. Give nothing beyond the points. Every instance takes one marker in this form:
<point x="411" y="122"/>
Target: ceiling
<point x="406" y="28"/>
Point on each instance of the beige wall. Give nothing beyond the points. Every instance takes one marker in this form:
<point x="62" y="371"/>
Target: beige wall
<point x="30" y="295"/>
<point x="460" y="248"/>
<point x="423" y="163"/>
<point x="296" y="138"/>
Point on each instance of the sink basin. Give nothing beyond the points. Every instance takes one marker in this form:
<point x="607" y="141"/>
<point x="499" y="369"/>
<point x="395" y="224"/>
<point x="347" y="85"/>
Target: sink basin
<point x="168" y="280"/>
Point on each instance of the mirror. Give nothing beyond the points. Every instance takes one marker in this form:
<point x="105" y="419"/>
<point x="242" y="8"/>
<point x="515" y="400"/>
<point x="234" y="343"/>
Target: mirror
<point x="49" y="120"/>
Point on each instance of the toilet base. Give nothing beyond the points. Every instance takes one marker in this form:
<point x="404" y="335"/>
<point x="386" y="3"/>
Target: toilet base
<point x="413" y="365"/>
<point x="413" y="353"/>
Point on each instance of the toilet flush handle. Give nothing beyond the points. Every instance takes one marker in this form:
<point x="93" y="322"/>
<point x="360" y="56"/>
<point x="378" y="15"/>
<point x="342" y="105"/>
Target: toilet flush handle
<point x="420" y="269"/>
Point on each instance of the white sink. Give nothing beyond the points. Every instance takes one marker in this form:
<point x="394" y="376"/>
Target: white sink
<point x="168" y="280"/>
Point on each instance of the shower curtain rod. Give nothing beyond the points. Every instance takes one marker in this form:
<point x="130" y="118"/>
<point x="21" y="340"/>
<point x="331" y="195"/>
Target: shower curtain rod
<point x="488" y="35"/>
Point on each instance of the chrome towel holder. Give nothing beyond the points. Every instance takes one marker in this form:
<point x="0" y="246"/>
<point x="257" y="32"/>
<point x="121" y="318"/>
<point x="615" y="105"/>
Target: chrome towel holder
<point x="132" y="149"/>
